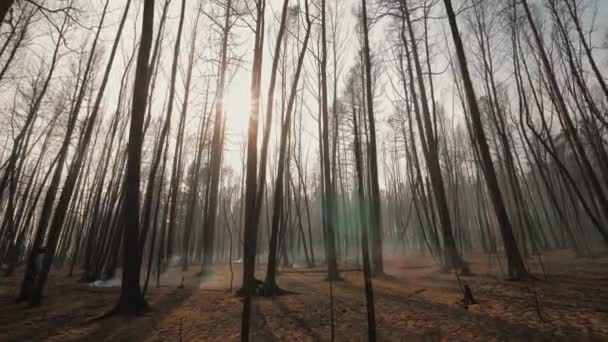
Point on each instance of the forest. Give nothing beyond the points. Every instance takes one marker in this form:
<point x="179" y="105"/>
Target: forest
<point x="303" y="170"/>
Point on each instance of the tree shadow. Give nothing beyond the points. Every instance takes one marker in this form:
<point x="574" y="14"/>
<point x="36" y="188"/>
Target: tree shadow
<point x="423" y="309"/>
<point x="299" y="322"/>
<point x="133" y="326"/>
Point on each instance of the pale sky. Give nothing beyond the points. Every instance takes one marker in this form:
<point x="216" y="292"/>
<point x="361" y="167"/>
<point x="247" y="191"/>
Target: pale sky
<point x="237" y="99"/>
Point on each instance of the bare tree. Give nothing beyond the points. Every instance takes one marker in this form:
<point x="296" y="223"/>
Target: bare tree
<point x="517" y="268"/>
<point x="131" y="300"/>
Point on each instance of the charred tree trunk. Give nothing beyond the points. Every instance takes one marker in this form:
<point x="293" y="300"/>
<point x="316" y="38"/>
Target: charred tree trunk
<point x="216" y="151"/>
<point x="131" y="300"/>
<point x="517" y="268"/>
<point x="369" y="291"/>
<point x="376" y="218"/>
<point x="328" y="195"/>
<point x="270" y="285"/>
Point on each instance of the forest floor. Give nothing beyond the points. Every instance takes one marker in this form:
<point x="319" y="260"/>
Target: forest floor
<point x="414" y="302"/>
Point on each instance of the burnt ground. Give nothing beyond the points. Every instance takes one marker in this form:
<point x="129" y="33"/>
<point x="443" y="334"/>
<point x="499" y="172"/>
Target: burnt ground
<point x="414" y="302"/>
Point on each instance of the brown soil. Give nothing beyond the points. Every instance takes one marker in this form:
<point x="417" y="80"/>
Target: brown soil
<point x="414" y="303"/>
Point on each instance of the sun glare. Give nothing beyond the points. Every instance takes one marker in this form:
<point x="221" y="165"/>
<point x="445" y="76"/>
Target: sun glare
<point x="237" y="104"/>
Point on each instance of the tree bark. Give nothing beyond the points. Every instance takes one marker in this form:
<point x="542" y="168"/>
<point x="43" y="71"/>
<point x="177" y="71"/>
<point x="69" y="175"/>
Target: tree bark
<point x="517" y="268"/>
<point x="376" y="219"/>
<point x="131" y="300"/>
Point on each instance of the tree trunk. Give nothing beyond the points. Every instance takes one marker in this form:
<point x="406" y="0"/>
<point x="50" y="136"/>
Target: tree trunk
<point x="517" y="269"/>
<point x="376" y="219"/>
<point x="216" y="150"/>
<point x="270" y="285"/>
<point x="369" y="291"/>
<point x="329" y="196"/>
<point x="131" y="300"/>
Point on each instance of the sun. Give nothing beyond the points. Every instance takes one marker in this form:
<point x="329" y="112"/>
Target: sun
<point x="237" y="104"/>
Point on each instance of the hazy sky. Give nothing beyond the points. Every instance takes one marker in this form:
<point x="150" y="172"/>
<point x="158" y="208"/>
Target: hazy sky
<point x="237" y="99"/>
<point x="237" y="103"/>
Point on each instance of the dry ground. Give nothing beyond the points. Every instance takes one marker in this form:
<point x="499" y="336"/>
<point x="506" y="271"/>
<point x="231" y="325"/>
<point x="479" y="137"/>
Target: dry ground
<point x="414" y="303"/>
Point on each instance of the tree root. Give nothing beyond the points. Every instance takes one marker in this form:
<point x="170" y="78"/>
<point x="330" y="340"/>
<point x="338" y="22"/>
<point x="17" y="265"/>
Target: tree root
<point x="523" y="277"/>
<point x="335" y="278"/>
<point x="272" y="290"/>
<point x="258" y="285"/>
